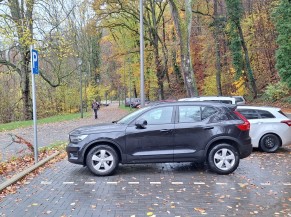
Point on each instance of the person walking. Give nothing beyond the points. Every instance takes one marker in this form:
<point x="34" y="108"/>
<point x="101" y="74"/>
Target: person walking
<point x="95" y="107"/>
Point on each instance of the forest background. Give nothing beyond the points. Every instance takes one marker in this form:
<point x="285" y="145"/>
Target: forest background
<point x="91" y="49"/>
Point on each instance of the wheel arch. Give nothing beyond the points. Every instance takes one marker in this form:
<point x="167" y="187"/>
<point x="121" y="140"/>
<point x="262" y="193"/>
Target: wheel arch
<point x="219" y="140"/>
<point x="102" y="142"/>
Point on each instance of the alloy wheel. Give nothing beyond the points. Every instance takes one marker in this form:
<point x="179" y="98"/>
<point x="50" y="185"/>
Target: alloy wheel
<point x="224" y="159"/>
<point x="102" y="160"/>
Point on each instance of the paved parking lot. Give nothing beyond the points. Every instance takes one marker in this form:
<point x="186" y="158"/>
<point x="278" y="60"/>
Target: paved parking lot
<point x="261" y="186"/>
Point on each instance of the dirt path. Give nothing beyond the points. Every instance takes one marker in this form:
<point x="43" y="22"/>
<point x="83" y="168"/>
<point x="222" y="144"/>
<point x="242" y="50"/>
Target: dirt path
<point x="55" y="132"/>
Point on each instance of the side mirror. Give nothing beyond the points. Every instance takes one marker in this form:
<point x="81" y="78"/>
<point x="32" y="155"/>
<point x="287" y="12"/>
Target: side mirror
<point x="141" y="123"/>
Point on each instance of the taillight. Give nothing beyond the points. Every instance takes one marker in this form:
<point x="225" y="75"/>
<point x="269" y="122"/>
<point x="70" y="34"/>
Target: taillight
<point x="288" y="122"/>
<point x="244" y="126"/>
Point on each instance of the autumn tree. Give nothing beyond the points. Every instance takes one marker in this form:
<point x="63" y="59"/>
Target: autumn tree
<point x="24" y="25"/>
<point x="183" y="31"/>
<point x="237" y="42"/>
<point x="19" y="19"/>
<point x="125" y="14"/>
<point x="282" y="18"/>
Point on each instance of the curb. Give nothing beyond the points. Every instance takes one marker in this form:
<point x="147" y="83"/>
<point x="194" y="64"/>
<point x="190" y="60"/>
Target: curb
<point x="18" y="176"/>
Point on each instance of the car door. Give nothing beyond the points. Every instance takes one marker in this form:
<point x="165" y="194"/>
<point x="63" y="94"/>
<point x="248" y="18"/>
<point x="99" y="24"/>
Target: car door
<point x="193" y="131"/>
<point x="154" y="142"/>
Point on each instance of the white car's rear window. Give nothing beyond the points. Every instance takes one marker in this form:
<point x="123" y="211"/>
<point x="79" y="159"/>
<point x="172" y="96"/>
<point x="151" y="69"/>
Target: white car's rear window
<point x="282" y="113"/>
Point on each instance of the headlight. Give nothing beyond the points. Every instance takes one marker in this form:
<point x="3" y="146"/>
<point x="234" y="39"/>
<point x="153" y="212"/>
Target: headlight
<point x="77" y="138"/>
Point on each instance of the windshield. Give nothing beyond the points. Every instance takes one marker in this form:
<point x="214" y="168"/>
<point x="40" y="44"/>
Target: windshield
<point x="128" y="118"/>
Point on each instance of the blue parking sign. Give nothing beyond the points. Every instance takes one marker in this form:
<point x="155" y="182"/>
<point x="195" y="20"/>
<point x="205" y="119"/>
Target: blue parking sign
<point x="34" y="61"/>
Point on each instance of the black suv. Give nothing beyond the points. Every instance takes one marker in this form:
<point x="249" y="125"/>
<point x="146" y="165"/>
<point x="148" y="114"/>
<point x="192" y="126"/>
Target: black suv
<point x="165" y="132"/>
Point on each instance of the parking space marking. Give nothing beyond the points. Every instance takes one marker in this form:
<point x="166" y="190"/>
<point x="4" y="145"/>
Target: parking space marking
<point x="266" y="183"/>
<point x="45" y="183"/>
<point x="287" y="184"/>
<point x="90" y="183"/>
<point x="133" y="183"/>
<point x="199" y="183"/>
<point x="112" y="183"/>
<point x="177" y="183"/>
<point x="155" y="183"/>
<point x="68" y="183"/>
<point x="158" y="183"/>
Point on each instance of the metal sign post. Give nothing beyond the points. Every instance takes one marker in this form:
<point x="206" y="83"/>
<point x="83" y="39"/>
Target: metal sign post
<point x="34" y="70"/>
<point x="142" y="96"/>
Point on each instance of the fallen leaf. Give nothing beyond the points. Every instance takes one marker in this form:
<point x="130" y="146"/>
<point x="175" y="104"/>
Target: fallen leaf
<point x="200" y="210"/>
<point x="243" y="185"/>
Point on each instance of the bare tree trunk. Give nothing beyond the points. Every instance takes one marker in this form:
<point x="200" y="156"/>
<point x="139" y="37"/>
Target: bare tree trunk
<point x="250" y="73"/>
<point x="160" y="68"/>
<point x="217" y="49"/>
<point x="184" y="39"/>
<point x="25" y="87"/>
<point x="165" y="51"/>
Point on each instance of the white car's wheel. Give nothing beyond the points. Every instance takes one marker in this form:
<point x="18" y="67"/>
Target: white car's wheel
<point x="270" y="143"/>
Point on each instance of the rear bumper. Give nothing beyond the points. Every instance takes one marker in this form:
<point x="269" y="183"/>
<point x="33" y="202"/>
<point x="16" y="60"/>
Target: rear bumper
<point x="286" y="137"/>
<point x="246" y="148"/>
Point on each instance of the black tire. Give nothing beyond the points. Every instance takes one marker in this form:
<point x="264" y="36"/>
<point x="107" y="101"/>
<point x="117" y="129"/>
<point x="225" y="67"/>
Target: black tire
<point x="270" y="143"/>
<point x="223" y="159"/>
<point x="102" y="160"/>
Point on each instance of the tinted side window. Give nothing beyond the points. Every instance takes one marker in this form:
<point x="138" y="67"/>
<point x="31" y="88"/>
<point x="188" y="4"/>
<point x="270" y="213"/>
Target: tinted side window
<point x="238" y="99"/>
<point x="249" y="113"/>
<point x="226" y="101"/>
<point x="265" y="114"/>
<point x="207" y="112"/>
<point x="188" y="114"/>
<point x="162" y="115"/>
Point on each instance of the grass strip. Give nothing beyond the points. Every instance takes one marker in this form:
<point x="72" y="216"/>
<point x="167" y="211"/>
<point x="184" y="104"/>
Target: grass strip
<point x="52" y="119"/>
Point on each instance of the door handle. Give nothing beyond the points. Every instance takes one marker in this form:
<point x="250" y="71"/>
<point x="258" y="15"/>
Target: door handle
<point x="208" y="128"/>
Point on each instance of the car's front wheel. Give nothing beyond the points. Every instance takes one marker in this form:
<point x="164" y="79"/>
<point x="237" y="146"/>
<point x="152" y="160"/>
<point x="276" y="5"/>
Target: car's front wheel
<point x="270" y="143"/>
<point x="223" y="159"/>
<point x="102" y="160"/>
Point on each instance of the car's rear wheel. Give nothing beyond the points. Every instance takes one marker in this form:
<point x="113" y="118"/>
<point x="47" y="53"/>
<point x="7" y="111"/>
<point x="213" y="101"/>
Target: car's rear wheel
<point x="102" y="160"/>
<point x="270" y="143"/>
<point x="223" y="159"/>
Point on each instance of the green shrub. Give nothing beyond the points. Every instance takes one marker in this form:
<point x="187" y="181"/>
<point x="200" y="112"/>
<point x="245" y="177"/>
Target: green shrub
<point x="287" y="99"/>
<point x="277" y="91"/>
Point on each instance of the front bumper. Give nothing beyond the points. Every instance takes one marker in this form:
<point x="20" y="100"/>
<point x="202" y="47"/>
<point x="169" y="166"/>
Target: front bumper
<point x="74" y="154"/>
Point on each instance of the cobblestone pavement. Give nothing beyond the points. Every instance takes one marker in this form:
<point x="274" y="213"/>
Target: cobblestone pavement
<point x="261" y="186"/>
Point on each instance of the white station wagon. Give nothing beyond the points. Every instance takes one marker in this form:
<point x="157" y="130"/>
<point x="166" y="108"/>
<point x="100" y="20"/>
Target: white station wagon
<point x="270" y="127"/>
<point x="220" y="99"/>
